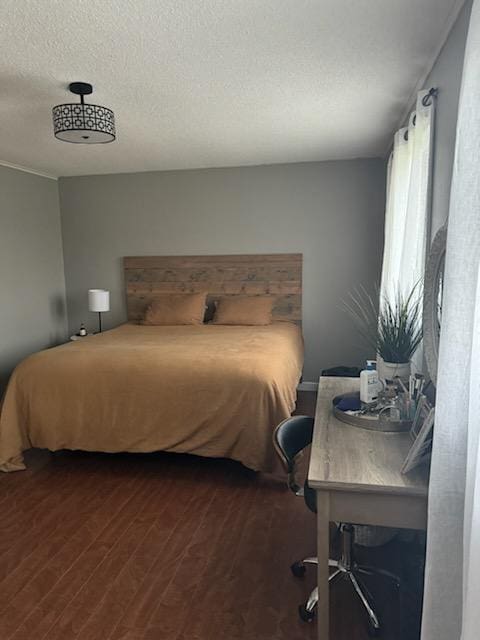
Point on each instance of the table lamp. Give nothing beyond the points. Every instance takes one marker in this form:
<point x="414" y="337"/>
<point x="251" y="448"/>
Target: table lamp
<point x="99" y="301"/>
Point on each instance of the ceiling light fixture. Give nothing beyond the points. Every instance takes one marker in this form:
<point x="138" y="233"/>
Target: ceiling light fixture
<point x="83" y="123"/>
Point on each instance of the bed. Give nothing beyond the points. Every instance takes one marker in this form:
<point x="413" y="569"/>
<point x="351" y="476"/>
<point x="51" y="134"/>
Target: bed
<point x="210" y="390"/>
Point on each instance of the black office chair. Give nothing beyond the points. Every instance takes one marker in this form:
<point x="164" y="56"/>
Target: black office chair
<point x="290" y="438"/>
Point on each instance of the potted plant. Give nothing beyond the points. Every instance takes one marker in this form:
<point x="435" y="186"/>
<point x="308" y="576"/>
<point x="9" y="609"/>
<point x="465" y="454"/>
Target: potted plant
<point x="393" y="329"/>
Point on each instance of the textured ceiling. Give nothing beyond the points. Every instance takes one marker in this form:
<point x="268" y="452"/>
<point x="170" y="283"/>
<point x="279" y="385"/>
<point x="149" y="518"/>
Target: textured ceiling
<point x="210" y="83"/>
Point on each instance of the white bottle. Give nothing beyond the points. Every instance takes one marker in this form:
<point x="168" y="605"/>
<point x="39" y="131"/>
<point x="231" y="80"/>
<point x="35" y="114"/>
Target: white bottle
<point x="369" y="384"/>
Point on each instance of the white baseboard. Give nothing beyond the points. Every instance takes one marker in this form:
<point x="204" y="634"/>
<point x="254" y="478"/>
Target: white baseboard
<point x="307" y="386"/>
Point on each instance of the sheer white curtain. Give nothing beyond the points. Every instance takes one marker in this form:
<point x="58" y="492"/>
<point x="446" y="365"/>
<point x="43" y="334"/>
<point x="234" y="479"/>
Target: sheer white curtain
<point x="408" y="201"/>
<point x="452" y="580"/>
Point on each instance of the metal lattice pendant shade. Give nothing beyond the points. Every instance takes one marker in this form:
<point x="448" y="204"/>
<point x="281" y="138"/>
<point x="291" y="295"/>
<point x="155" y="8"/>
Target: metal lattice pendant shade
<point x="83" y="123"/>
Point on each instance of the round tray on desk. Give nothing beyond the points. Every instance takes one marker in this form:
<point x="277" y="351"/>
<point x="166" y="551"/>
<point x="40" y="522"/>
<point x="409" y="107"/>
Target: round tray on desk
<point x="368" y="421"/>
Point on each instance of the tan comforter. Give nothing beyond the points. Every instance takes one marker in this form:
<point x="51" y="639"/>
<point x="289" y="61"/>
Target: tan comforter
<point x="214" y="391"/>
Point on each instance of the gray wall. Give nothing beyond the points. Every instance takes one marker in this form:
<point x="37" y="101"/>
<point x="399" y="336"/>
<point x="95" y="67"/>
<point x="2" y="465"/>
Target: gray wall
<point x="32" y="286"/>
<point x="446" y="74"/>
<point x="332" y="212"/>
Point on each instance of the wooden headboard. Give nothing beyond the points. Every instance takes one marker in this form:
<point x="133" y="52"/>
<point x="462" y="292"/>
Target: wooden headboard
<point x="279" y="275"/>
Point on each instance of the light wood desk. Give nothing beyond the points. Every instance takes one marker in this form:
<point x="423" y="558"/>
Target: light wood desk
<point x="356" y="474"/>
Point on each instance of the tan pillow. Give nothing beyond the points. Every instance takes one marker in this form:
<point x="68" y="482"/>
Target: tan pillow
<point x="253" y="310"/>
<point x="176" y="308"/>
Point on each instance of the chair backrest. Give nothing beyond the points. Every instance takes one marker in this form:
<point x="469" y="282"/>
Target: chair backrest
<point x="290" y="437"/>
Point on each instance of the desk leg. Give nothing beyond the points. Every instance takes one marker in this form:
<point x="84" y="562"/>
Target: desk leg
<point x="323" y="553"/>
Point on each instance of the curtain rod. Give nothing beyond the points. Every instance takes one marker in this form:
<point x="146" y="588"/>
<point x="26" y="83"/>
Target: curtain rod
<point x="426" y="101"/>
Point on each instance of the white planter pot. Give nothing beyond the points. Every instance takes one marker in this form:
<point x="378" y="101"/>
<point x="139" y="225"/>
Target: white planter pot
<point x="391" y="370"/>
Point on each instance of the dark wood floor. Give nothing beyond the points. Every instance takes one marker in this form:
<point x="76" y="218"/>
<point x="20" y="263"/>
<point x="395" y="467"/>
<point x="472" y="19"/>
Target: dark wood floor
<point x="147" y="547"/>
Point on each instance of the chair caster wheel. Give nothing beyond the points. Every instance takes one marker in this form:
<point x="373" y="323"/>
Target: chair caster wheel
<point x="305" y="615"/>
<point x="373" y="632"/>
<point x="298" y="569"/>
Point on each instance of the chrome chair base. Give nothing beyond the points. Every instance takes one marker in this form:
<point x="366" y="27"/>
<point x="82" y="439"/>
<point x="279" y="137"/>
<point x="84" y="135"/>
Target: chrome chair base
<point x="348" y="569"/>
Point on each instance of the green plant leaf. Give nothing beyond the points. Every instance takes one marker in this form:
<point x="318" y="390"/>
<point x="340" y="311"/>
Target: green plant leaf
<point x="391" y="327"/>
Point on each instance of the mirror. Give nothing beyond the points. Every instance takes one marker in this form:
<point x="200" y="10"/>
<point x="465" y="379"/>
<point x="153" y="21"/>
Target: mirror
<point x="433" y="301"/>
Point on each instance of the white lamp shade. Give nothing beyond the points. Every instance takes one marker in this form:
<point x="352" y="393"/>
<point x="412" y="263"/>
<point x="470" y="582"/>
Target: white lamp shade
<point x="98" y="300"/>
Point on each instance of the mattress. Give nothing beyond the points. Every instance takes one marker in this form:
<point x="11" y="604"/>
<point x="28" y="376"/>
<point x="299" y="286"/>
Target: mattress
<point x="209" y="390"/>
